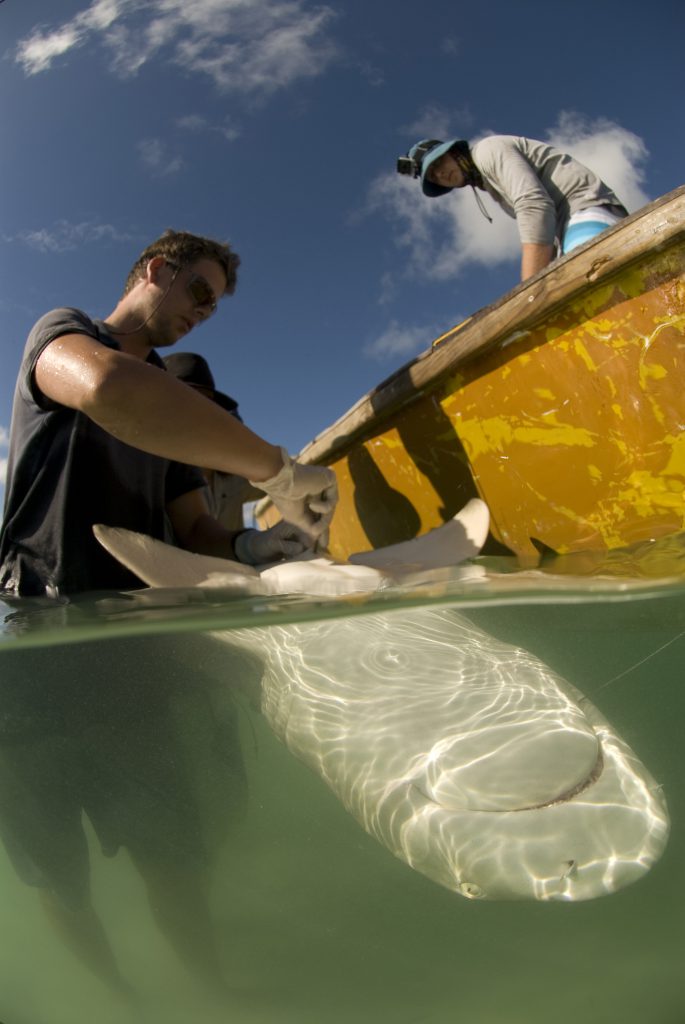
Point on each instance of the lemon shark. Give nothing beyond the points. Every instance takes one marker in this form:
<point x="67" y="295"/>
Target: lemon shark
<point x="467" y="757"/>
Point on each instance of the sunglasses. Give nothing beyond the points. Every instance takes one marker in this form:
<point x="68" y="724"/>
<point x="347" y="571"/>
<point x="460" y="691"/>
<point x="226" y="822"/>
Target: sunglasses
<point x="200" y="290"/>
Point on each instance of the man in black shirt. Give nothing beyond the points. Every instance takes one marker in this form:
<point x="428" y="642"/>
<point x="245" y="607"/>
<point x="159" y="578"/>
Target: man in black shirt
<point x="100" y="433"/>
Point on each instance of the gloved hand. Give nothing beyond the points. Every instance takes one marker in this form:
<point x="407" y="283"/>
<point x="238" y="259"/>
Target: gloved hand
<point x="306" y="496"/>
<point x="257" y="547"/>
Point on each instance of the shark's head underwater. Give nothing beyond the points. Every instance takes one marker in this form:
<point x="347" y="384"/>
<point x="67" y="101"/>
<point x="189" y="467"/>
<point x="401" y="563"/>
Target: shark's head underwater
<point x="468" y="758"/>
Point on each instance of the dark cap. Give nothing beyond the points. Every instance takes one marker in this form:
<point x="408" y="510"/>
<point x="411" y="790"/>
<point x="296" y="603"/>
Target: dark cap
<point x="194" y="370"/>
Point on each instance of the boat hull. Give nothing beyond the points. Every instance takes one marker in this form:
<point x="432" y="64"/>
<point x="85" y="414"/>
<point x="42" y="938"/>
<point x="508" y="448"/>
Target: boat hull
<point x="562" y="407"/>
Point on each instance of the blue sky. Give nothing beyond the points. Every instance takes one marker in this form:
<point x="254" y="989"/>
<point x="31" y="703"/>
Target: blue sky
<point x="276" y="126"/>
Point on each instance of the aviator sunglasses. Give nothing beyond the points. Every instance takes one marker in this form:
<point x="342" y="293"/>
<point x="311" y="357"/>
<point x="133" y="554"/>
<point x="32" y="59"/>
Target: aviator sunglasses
<point x="200" y="290"/>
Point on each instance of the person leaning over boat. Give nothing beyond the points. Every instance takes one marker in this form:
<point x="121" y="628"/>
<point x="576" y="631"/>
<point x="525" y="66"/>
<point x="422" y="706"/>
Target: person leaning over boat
<point x="558" y="202"/>
<point x="102" y="433"/>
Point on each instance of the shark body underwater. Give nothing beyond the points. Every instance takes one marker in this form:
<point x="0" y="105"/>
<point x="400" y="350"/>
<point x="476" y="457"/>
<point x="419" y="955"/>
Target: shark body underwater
<point x="468" y="758"/>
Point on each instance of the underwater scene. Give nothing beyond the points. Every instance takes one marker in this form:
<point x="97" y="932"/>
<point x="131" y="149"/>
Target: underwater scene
<point x="459" y="799"/>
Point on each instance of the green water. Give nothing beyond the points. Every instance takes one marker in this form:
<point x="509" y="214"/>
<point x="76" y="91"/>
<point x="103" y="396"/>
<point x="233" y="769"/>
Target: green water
<point x="310" y="919"/>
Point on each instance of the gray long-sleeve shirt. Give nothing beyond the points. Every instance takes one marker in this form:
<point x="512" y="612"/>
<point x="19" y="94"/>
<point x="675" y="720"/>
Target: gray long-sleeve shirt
<point x="537" y="184"/>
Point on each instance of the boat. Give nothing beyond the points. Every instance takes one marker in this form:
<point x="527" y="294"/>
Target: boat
<point x="561" y="406"/>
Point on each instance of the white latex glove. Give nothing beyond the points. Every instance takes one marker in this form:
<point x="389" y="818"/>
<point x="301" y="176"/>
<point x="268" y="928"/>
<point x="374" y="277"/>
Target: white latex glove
<point x="257" y="547"/>
<point x="306" y="496"/>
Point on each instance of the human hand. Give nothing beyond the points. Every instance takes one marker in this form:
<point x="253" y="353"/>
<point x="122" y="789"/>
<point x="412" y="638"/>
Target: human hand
<point x="306" y="496"/>
<point x="257" y="547"/>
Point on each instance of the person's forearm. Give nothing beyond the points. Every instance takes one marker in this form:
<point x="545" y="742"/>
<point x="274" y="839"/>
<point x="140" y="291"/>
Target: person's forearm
<point x="166" y="417"/>
<point x="149" y="409"/>
<point x="208" y="537"/>
<point x="534" y="257"/>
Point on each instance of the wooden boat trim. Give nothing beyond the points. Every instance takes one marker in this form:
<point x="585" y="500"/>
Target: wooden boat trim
<point x="654" y="228"/>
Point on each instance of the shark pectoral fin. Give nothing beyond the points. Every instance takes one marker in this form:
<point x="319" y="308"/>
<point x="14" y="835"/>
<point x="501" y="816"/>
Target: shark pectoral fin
<point x="162" y="565"/>
<point x="448" y="545"/>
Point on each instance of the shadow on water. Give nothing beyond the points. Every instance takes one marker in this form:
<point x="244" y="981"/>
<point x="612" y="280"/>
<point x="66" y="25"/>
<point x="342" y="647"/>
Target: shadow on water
<point x="110" y="733"/>
<point x="167" y="858"/>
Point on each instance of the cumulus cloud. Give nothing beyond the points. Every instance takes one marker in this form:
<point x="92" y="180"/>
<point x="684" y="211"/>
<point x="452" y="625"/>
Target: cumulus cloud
<point x="156" y="157"/>
<point x="615" y="154"/>
<point x="400" y="341"/>
<point x="252" y="47"/>
<point x="64" y="235"/>
<point x="441" y="237"/>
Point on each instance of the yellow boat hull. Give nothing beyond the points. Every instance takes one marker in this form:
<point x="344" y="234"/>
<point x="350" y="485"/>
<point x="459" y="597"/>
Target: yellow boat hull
<point x="562" y="406"/>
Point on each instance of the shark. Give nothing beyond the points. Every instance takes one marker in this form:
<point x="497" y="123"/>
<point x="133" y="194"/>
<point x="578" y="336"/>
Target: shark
<point x="468" y="758"/>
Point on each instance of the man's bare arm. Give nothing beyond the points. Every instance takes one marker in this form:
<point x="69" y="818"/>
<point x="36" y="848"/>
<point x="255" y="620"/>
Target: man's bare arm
<point x="149" y="409"/>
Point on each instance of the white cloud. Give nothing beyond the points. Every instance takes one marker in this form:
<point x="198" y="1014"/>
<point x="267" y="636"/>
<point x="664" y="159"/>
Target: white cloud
<point x="615" y="154"/>
<point x="156" y="157"/>
<point x="389" y="288"/>
<point x="438" y="122"/>
<point x="193" y="123"/>
<point x="401" y="341"/>
<point x="371" y="72"/>
<point x="443" y="236"/>
<point x="246" y="46"/>
<point x="199" y="123"/>
<point x="64" y="235"/>
<point x="39" y="50"/>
